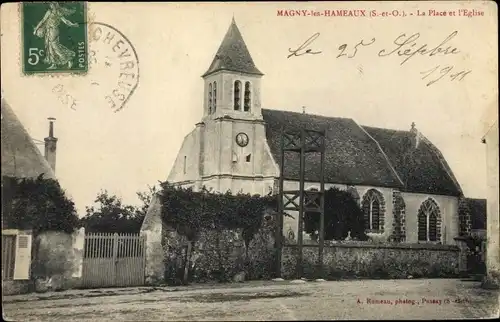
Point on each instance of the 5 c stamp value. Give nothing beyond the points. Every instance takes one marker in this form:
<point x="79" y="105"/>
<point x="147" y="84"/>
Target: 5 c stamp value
<point x="54" y="37"/>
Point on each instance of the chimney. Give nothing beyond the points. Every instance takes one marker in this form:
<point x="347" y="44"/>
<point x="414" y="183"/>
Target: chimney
<point x="51" y="145"/>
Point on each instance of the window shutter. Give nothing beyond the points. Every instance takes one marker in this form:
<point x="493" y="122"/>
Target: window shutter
<point x="23" y="257"/>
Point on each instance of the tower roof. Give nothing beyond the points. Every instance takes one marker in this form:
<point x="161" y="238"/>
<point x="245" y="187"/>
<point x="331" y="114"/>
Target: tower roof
<point x="233" y="54"/>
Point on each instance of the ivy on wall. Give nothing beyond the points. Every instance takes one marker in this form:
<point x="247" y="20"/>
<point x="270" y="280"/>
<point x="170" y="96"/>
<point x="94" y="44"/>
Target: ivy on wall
<point x="191" y="212"/>
<point x="37" y="204"/>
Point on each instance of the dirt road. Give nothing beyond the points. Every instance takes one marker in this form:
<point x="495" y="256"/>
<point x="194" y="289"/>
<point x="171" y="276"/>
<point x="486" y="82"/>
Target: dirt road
<point x="369" y="299"/>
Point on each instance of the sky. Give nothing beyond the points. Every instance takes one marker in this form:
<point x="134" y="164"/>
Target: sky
<point x="125" y="151"/>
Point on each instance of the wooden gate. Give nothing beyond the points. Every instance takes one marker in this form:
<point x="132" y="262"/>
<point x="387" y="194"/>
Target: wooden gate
<point x="113" y="260"/>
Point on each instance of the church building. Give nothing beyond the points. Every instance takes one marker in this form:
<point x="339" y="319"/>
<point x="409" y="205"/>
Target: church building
<point x="400" y="179"/>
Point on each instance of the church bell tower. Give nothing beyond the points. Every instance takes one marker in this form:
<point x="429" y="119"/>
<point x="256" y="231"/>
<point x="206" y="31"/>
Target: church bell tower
<point x="232" y="82"/>
<point x="233" y="127"/>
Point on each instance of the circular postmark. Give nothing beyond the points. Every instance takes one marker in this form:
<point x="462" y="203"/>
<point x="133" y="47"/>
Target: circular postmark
<point x="113" y="65"/>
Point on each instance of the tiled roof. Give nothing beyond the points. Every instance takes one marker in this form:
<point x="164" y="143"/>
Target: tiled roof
<point x="361" y="155"/>
<point x="351" y="157"/>
<point x="423" y="169"/>
<point x="20" y="156"/>
<point x="477" y="210"/>
<point x="233" y="54"/>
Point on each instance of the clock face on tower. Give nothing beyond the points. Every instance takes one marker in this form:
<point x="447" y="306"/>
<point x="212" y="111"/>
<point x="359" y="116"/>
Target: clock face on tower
<point x="242" y="139"/>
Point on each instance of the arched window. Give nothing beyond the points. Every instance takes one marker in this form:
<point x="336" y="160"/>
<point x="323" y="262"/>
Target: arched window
<point x="210" y="98"/>
<point x="373" y="208"/>
<point x="429" y="221"/>
<point x="247" y="102"/>
<point x="214" y="98"/>
<point x="237" y="90"/>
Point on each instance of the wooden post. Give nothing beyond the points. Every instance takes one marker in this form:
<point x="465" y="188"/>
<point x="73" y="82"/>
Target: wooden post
<point x="279" y="230"/>
<point x="302" y="141"/>
<point x="322" y="208"/>
<point x="142" y="249"/>
<point x="115" y="256"/>
<point x="301" y="207"/>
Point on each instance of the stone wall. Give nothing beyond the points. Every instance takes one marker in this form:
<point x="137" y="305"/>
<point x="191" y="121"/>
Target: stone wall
<point x="493" y="216"/>
<point x="219" y="255"/>
<point x="152" y="228"/>
<point x="214" y="255"/>
<point x="58" y="260"/>
<point x="357" y="260"/>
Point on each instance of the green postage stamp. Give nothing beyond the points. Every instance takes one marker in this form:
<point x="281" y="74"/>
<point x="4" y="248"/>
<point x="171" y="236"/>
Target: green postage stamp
<point x="54" y="37"/>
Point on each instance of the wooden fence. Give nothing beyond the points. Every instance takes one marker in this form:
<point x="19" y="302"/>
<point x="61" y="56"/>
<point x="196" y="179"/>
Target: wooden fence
<point x="113" y="260"/>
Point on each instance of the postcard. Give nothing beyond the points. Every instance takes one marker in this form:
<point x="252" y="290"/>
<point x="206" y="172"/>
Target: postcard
<point x="264" y="160"/>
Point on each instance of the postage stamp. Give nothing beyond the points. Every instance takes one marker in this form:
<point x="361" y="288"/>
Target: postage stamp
<point x="54" y="37"/>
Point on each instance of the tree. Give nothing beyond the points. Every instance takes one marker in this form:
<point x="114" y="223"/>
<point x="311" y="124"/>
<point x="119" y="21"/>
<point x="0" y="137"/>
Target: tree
<point x="111" y="215"/>
<point x="145" y="197"/>
<point x="38" y="204"/>
<point x="342" y="215"/>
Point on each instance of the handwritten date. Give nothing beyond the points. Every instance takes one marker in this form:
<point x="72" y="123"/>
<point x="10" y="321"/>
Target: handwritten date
<point x="437" y="73"/>
<point x="344" y="47"/>
<point x="302" y="50"/>
<point x="405" y="47"/>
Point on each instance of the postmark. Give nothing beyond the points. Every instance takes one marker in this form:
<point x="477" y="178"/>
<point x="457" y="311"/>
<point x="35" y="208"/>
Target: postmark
<point x="54" y="37"/>
<point x="113" y="65"/>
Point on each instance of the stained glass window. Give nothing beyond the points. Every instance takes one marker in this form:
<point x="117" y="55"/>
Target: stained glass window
<point x="428" y="218"/>
<point x="372" y="209"/>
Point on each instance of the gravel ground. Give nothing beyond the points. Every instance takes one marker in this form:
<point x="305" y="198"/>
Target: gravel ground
<point x="367" y="299"/>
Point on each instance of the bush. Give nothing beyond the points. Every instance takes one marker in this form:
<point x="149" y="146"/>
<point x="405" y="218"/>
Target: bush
<point x="37" y="204"/>
<point x="190" y="212"/>
<point x="342" y="214"/>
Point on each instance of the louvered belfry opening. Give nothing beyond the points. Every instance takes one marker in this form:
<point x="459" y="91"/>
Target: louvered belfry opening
<point x="237" y="88"/>
<point x="247" y="101"/>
